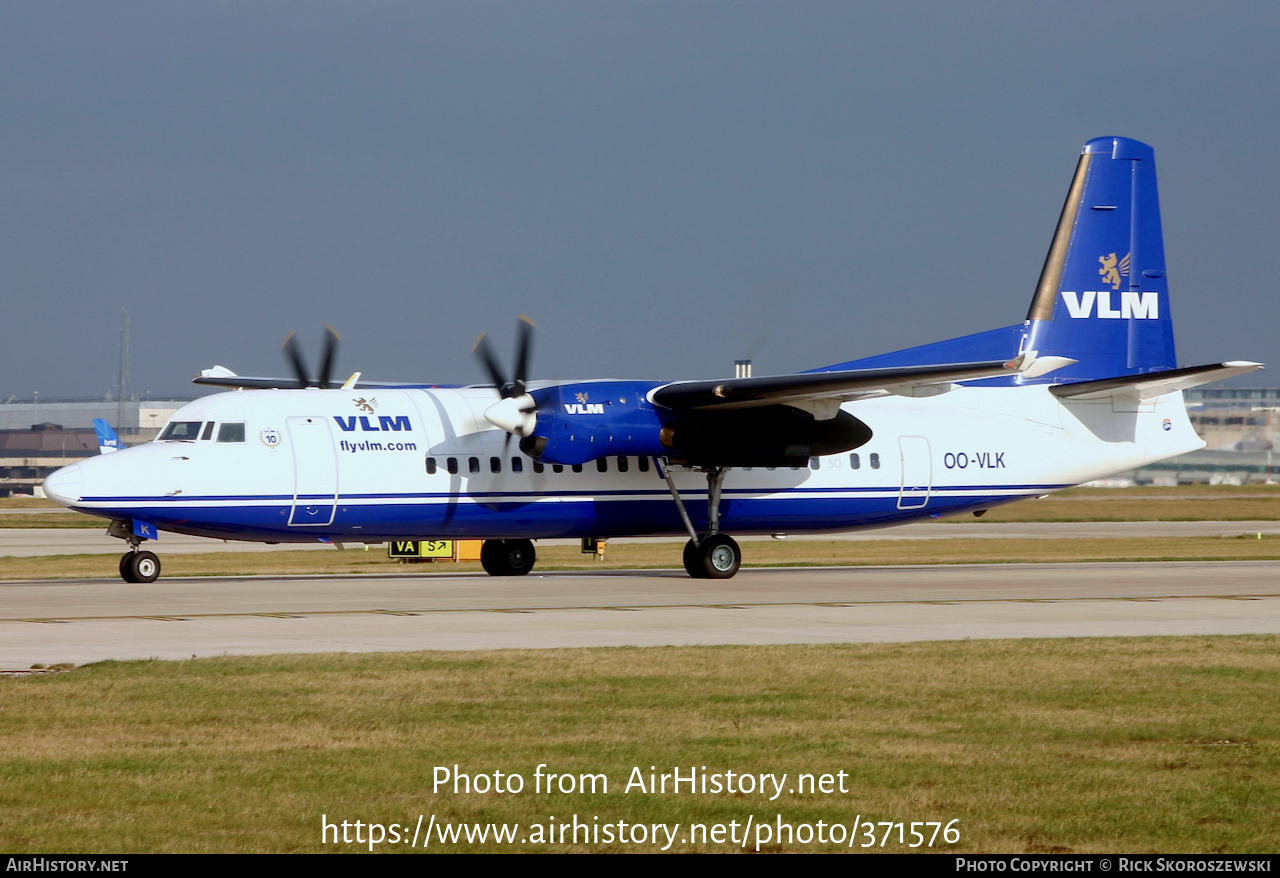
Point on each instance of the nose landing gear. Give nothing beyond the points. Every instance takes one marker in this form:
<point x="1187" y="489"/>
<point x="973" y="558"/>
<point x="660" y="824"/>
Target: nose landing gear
<point x="138" y="566"/>
<point x="135" y="565"/>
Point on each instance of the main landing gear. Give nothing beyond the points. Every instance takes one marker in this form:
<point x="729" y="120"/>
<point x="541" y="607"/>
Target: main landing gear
<point x="715" y="556"/>
<point x="711" y="555"/>
<point x="507" y="557"/>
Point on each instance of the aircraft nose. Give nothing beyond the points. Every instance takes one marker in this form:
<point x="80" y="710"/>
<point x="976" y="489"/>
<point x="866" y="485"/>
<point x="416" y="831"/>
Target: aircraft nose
<point x="65" y="486"/>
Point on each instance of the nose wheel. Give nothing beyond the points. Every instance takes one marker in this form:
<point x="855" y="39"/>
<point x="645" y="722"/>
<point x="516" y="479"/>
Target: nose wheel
<point x="139" y="567"/>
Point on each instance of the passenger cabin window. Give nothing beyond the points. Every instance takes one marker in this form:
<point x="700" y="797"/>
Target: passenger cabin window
<point x="577" y="467"/>
<point x="875" y="461"/>
<point x="813" y="463"/>
<point x="517" y="465"/>
<point x="557" y="468"/>
<point x="231" y="432"/>
<point x="208" y="432"/>
<point x="602" y="465"/>
<point x="181" y="431"/>
<point x="495" y="464"/>
<point x="622" y="464"/>
<point x="539" y="466"/>
<point x="643" y="463"/>
<point x="452" y="463"/>
<point x="854" y="461"/>
<point x="431" y="466"/>
<point x="473" y="465"/>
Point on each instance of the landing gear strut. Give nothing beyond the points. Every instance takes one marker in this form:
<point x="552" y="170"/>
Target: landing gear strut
<point x="711" y="555"/>
<point x="507" y="557"/>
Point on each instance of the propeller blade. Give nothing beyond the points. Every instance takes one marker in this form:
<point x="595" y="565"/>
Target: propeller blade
<point x="524" y="348"/>
<point x="330" y="351"/>
<point x="483" y="350"/>
<point x="294" y="355"/>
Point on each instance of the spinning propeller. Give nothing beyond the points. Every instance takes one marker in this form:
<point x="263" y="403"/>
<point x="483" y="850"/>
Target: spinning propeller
<point x="293" y="353"/>
<point x="516" y="413"/>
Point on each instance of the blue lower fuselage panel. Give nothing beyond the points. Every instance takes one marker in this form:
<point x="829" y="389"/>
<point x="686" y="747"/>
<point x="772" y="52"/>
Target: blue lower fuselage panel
<point x="416" y="517"/>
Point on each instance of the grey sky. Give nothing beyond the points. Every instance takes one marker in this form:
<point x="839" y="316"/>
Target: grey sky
<point x="662" y="187"/>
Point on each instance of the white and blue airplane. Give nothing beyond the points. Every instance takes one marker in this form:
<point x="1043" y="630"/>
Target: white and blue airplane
<point x="1086" y="386"/>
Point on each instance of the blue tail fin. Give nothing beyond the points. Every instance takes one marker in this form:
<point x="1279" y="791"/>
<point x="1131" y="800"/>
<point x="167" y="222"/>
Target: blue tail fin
<point x="108" y="441"/>
<point x="1103" y="299"/>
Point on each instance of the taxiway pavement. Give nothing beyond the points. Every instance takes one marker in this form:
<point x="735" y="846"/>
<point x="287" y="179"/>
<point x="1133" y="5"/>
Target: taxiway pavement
<point x="80" y="621"/>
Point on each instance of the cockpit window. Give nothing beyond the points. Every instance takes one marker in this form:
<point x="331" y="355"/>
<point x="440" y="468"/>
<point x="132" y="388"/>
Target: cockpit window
<point x="208" y="432"/>
<point x="181" y="431"/>
<point x="231" y="432"/>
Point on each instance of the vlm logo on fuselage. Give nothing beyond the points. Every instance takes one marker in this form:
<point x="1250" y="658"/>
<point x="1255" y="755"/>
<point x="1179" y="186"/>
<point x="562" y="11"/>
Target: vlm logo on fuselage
<point x="386" y="423"/>
<point x="1133" y="304"/>
<point x="584" y="408"/>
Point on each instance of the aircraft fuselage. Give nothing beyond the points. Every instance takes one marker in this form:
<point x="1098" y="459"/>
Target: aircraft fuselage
<point x="304" y="465"/>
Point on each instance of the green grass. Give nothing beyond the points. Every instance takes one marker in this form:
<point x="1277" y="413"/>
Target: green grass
<point x="1182" y="503"/>
<point x="1121" y="745"/>
<point x="756" y="553"/>
<point x="1186" y="503"/>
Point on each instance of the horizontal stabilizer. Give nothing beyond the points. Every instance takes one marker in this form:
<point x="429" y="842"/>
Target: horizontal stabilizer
<point x="221" y="376"/>
<point x="240" y="381"/>
<point x="1154" y="384"/>
<point x="805" y="387"/>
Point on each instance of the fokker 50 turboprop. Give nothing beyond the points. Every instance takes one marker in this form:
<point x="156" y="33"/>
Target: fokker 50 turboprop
<point x="1086" y="386"/>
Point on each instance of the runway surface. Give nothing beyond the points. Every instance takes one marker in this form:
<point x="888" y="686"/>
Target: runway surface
<point x="90" y="620"/>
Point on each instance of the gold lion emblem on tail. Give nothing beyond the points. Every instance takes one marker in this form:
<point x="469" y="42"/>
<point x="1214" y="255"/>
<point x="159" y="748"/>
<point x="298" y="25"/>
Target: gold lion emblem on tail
<point x="1112" y="269"/>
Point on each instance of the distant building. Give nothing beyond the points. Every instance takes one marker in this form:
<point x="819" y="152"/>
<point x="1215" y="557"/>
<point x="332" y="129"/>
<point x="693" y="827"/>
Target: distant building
<point x="27" y="456"/>
<point x="1239" y="425"/>
<point x="140" y="418"/>
<point x="38" y="437"/>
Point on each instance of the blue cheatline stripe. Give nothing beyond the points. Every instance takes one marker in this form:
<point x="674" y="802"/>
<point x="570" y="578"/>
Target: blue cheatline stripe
<point x="985" y="490"/>
<point x="530" y="519"/>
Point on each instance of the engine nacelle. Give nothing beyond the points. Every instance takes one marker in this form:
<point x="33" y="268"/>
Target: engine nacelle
<point x="578" y="423"/>
<point x="766" y="436"/>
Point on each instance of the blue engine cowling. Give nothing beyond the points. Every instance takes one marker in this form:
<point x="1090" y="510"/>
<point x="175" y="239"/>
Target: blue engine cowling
<point x="580" y="422"/>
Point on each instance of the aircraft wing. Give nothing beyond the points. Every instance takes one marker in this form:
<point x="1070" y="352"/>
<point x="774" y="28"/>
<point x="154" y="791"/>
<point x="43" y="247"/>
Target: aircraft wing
<point x="1154" y="384"/>
<point x="809" y="387"/>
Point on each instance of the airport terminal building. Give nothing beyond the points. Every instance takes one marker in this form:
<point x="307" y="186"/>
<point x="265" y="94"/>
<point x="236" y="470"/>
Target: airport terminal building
<point x="38" y="436"/>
